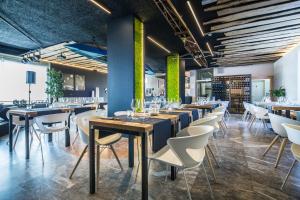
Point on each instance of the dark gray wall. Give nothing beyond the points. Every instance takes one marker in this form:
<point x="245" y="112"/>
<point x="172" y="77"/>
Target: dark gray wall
<point x="120" y="47"/>
<point x="93" y="79"/>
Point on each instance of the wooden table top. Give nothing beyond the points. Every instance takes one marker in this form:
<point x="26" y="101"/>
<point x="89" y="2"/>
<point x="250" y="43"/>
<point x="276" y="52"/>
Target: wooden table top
<point x="122" y="125"/>
<point x="190" y="112"/>
<point x="204" y="106"/>
<point x="173" y="118"/>
<point x="283" y="107"/>
<point x="34" y="112"/>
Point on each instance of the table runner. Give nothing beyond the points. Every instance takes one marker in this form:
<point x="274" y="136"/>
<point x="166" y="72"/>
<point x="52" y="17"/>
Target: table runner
<point x="161" y="129"/>
<point x="184" y="117"/>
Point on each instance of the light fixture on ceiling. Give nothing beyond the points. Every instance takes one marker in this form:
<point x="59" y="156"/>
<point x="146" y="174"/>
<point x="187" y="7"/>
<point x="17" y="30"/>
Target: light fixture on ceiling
<point x="102" y="7"/>
<point x="61" y="57"/>
<point x="195" y="18"/>
<point x="158" y="44"/>
<point x="198" y="25"/>
<point x="197" y="62"/>
<point x="208" y="46"/>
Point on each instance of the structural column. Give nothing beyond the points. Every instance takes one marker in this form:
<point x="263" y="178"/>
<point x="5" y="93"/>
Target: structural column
<point x="125" y="45"/>
<point x="175" y="78"/>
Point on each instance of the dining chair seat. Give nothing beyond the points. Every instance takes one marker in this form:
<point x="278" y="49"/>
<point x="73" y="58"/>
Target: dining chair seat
<point x="108" y="140"/>
<point x="295" y="148"/>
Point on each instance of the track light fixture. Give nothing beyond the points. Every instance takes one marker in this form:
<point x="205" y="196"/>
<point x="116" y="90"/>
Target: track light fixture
<point x="102" y="7"/>
<point x="158" y="44"/>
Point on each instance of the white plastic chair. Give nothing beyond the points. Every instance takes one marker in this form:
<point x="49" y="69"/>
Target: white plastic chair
<point x="246" y="114"/>
<point x="82" y="121"/>
<point x="220" y="124"/>
<point x="261" y="115"/>
<point x="276" y="121"/>
<point x="61" y="124"/>
<point x="293" y="132"/>
<point x="186" y="152"/>
<point x="18" y="125"/>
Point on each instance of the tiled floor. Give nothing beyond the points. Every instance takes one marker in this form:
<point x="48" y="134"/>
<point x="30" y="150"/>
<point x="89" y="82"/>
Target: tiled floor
<point x="243" y="174"/>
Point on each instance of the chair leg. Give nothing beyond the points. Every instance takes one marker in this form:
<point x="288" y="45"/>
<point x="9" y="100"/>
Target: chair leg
<point x="283" y="144"/>
<point x="187" y="186"/>
<point x="288" y="174"/>
<point x="78" y="161"/>
<point x="211" y="193"/>
<point x="271" y="144"/>
<point x="116" y="156"/>
<point x="224" y="123"/>
<point x="213" y="155"/>
<point x="210" y="165"/>
<point x="76" y="136"/>
<point x="17" y="132"/>
<point x="39" y="138"/>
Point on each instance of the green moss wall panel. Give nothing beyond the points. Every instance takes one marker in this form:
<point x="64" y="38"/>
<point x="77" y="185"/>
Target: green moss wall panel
<point x="173" y="77"/>
<point x="138" y="60"/>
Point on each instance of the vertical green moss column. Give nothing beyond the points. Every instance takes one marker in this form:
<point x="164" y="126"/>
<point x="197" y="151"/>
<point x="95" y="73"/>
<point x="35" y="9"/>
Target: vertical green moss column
<point x="173" y="77"/>
<point x="138" y="61"/>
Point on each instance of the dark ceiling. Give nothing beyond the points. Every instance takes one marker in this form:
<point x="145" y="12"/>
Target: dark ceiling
<point x="47" y="22"/>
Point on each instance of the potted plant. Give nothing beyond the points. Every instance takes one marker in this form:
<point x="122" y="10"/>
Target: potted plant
<point x="279" y="93"/>
<point x="54" y="84"/>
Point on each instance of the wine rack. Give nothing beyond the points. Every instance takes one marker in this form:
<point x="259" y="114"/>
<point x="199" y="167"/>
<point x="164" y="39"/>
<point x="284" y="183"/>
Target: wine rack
<point x="234" y="89"/>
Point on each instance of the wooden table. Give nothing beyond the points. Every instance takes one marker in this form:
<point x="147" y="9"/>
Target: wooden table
<point x="203" y="107"/>
<point x="31" y="113"/>
<point x="279" y="108"/>
<point x="132" y="129"/>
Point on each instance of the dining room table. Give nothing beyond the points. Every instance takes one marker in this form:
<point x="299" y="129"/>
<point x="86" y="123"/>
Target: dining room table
<point x="203" y="107"/>
<point x="28" y="114"/>
<point x="137" y="126"/>
<point x="278" y="109"/>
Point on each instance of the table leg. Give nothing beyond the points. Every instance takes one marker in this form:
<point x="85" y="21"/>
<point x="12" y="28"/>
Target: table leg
<point x="288" y="113"/>
<point x="130" y="151"/>
<point x="173" y="169"/>
<point x="144" y="166"/>
<point x="10" y="133"/>
<point x="203" y="112"/>
<point x="50" y="135"/>
<point x="67" y="133"/>
<point x="27" y="136"/>
<point x="92" y="160"/>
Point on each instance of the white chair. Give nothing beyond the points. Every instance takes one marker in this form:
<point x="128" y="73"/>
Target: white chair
<point x="61" y="124"/>
<point x="261" y="115"/>
<point x="18" y="125"/>
<point x="293" y="132"/>
<point x="276" y="121"/>
<point x="186" y="152"/>
<point x="247" y="113"/>
<point x="220" y="124"/>
<point x="82" y="121"/>
<point x="198" y="129"/>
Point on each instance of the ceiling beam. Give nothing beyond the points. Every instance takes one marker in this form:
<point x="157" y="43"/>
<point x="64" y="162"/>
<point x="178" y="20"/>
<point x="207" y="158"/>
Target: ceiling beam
<point x="252" y="6"/>
<point x="263" y="28"/>
<point x="259" y="23"/>
<point x="255" y="12"/>
<point x="244" y="21"/>
<point x="227" y="5"/>
<point x="271" y="42"/>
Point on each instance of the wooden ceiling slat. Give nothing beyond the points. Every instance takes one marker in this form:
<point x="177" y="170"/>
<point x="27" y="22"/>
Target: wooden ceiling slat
<point x="244" y="21"/>
<point x="227" y="5"/>
<point x="263" y="28"/>
<point x="269" y="43"/>
<point x="266" y="37"/>
<point x="252" y="6"/>
<point x="256" y="12"/>
<point x="259" y="23"/>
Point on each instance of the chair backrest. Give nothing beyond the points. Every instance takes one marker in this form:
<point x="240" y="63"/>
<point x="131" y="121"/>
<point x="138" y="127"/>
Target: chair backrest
<point x="293" y="132"/>
<point x="260" y="111"/>
<point x="119" y="113"/>
<point x="252" y="109"/>
<point x="246" y="105"/>
<point x="209" y="120"/>
<point x="82" y="122"/>
<point x="188" y="148"/>
<point x="220" y="109"/>
<point x="53" y="118"/>
<point x="277" y="120"/>
<point x="219" y="115"/>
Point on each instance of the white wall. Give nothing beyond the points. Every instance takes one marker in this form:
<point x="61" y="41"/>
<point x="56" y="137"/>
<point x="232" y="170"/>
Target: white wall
<point x="287" y="74"/>
<point x="258" y="71"/>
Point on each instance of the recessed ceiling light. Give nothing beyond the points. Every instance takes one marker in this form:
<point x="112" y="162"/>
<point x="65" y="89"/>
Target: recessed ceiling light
<point x="158" y="44"/>
<point x="102" y="7"/>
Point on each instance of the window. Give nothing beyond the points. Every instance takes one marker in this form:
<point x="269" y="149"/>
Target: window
<point x="13" y="80"/>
